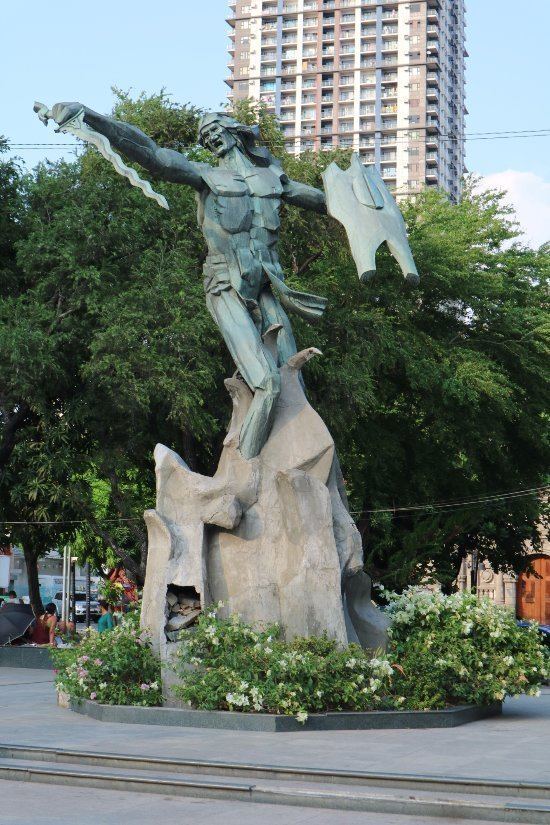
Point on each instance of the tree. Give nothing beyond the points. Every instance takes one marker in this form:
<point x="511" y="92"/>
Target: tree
<point x="432" y="393"/>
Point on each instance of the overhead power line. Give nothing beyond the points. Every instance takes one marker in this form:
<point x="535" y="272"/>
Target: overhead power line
<point x="438" y="506"/>
<point x="444" y="506"/>
<point x="468" y="136"/>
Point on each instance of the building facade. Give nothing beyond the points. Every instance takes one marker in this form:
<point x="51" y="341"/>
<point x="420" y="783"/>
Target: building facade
<point x="383" y="77"/>
<point x="527" y="593"/>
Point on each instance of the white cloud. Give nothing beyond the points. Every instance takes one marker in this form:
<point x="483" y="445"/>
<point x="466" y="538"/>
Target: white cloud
<point x="529" y="194"/>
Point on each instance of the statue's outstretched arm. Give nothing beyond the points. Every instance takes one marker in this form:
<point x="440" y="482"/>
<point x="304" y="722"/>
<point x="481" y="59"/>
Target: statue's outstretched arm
<point x="164" y="164"/>
<point x="300" y="194"/>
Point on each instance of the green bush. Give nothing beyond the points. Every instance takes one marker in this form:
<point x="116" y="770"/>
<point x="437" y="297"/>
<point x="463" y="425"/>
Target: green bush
<point x="117" y="667"/>
<point x="226" y="664"/>
<point x="460" y="649"/>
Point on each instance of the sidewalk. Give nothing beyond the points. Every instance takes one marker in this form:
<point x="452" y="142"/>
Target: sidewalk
<point x="514" y="746"/>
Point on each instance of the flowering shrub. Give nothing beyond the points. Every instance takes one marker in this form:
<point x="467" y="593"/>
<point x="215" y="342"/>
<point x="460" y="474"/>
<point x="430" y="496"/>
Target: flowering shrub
<point x="460" y="649"/>
<point x="117" y="667"/>
<point x="226" y="664"/>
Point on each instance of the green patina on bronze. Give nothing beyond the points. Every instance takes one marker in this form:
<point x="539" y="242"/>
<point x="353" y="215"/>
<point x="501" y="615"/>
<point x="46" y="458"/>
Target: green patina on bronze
<point x="238" y="211"/>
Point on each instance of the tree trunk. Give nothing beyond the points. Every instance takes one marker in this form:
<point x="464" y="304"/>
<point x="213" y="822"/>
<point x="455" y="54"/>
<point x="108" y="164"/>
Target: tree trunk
<point x="31" y="562"/>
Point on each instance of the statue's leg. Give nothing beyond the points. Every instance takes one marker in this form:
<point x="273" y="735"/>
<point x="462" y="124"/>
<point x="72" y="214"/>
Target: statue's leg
<point x="273" y="313"/>
<point x="253" y="361"/>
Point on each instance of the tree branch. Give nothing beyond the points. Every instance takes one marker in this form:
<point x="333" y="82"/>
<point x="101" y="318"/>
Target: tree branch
<point x="12" y="423"/>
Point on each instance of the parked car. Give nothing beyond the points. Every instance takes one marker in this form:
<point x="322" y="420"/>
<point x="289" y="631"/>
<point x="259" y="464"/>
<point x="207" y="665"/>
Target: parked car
<point x="544" y="631"/>
<point x="80" y="605"/>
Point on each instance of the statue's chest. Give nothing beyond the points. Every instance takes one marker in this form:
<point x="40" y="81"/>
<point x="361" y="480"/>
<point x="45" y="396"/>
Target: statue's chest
<point x="239" y="202"/>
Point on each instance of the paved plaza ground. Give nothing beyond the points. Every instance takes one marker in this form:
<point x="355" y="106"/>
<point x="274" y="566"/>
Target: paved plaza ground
<point x="515" y="746"/>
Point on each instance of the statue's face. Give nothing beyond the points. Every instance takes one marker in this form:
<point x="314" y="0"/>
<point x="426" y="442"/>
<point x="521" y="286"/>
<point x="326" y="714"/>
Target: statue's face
<point x="217" y="139"/>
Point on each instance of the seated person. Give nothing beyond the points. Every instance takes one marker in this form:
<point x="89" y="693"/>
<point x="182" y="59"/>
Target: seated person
<point x="43" y="629"/>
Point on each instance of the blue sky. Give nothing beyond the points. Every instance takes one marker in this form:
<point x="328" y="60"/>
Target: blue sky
<point x="75" y="51"/>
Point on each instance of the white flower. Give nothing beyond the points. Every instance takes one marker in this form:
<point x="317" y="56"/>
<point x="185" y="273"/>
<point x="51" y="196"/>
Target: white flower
<point x="154" y="685"/>
<point x="302" y="716"/>
<point x="102" y="685"/>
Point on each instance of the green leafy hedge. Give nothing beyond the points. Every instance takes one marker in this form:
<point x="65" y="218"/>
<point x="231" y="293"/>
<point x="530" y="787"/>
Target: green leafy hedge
<point x="117" y="667"/>
<point x="461" y="649"/>
<point x="444" y="650"/>
<point x="226" y="664"/>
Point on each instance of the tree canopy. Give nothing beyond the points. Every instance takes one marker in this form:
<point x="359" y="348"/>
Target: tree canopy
<point x="437" y="393"/>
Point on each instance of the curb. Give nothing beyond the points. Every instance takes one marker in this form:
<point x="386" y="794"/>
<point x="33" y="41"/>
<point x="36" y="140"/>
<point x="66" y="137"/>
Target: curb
<point x="26" y="656"/>
<point x="271" y="723"/>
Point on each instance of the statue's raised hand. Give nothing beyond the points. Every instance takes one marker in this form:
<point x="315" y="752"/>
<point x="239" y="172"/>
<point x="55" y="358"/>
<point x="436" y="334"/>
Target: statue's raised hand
<point x="61" y="112"/>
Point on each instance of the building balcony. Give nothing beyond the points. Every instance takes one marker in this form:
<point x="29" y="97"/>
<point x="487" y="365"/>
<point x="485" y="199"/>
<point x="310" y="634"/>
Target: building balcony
<point x="432" y="158"/>
<point x="389" y="172"/>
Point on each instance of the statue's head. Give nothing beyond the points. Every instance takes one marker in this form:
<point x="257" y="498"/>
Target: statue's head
<point x="219" y="132"/>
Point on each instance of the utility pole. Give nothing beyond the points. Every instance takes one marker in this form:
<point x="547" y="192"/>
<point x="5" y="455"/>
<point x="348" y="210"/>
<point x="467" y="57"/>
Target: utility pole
<point x="73" y="588"/>
<point x="88" y="590"/>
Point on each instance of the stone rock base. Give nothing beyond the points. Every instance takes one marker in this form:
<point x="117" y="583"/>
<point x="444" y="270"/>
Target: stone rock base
<point x="270" y="537"/>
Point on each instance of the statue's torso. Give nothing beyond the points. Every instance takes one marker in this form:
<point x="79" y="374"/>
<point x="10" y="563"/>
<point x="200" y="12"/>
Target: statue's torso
<point x="239" y="216"/>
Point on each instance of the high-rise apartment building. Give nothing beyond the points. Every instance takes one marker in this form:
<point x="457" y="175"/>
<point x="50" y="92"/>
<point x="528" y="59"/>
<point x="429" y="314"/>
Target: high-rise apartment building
<point x="384" y="77"/>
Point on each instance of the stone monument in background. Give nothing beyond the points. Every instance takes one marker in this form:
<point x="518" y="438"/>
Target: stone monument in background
<point x="269" y="534"/>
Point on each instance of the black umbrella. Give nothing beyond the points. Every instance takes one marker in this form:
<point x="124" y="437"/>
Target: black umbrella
<point x="15" y="620"/>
